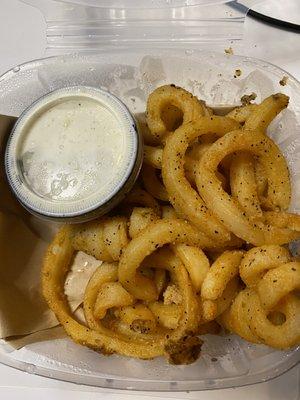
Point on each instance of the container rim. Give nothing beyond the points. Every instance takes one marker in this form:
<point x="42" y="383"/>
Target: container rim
<point x="81" y="54"/>
<point x="151" y="385"/>
<point x="144" y="4"/>
<point x="52" y="210"/>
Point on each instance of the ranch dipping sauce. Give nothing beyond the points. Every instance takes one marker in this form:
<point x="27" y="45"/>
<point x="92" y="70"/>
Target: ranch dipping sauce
<point x="73" y="154"/>
<point x="73" y="157"/>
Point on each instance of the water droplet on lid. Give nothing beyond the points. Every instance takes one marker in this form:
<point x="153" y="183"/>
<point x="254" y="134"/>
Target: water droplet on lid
<point x="30" y="368"/>
<point x="73" y="182"/>
<point x="189" y="52"/>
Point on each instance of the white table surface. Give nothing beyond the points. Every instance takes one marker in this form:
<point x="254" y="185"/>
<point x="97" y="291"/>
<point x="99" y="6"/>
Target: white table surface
<point x="22" y="38"/>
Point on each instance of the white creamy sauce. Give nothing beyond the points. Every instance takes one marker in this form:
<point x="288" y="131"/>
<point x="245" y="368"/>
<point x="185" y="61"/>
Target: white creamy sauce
<point x="71" y="149"/>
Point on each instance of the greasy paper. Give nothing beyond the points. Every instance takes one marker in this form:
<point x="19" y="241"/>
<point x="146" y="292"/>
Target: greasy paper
<point x="23" y="242"/>
<point x="22" y="308"/>
<point x="80" y="272"/>
<point x="17" y="342"/>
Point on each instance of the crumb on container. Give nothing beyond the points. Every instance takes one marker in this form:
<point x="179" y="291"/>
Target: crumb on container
<point x="184" y="351"/>
<point x="237" y="73"/>
<point x="247" y="98"/>
<point x="229" y="50"/>
<point x="283" y="81"/>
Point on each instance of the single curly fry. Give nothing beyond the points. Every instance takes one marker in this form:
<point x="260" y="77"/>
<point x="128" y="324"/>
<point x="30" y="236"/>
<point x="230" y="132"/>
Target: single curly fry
<point x="261" y="181"/>
<point x="283" y="220"/>
<point x="168" y="212"/>
<point x="195" y="261"/>
<point x="153" y="156"/>
<point x="236" y="318"/>
<point x="182" y="196"/>
<point x="139" y="219"/>
<point x="152" y="184"/>
<point x="244" y="186"/>
<point x="140" y="198"/>
<point x="191" y="166"/>
<point x="143" y="128"/>
<point x="209" y="310"/>
<point x="88" y="237"/>
<point x="115" y="236"/>
<point x="259" y="260"/>
<point x="167" y="95"/>
<point x="212" y="309"/>
<point x="223" y="270"/>
<point x="227" y="208"/>
<point x="229" y="294"/>
<point x="281" y="336"/>
<point x="168" y="315"/>
<point x="111" y="294"/>
<point x="277" y="283"/>
<point x="242" y="113"/>
<point x="138" y="317"/>
<point x="266" y="111"/>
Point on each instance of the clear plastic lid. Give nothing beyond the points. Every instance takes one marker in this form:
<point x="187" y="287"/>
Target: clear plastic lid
<point x="94" y="25"/>
<point x="142" y="3"/>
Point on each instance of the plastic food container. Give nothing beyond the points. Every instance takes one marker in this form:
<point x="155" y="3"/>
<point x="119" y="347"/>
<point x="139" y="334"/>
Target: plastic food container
<point x="131" y="66"/>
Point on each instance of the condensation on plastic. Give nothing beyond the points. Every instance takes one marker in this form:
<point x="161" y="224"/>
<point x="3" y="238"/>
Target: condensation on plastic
<point x="91" y="25"/>
<point x="132" y="75"/>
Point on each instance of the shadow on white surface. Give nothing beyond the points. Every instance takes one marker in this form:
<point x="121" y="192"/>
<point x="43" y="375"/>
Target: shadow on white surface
<point x="22" y="34"/>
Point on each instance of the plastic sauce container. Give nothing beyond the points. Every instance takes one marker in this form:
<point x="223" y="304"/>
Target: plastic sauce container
<point x="73" y="154"/>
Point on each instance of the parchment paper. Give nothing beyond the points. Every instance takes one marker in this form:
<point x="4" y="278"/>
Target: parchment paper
<point x="23" y="242"/>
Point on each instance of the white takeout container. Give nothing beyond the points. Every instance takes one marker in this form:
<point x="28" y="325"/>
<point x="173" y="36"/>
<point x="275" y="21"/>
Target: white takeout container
<point x="130" y="68"/>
